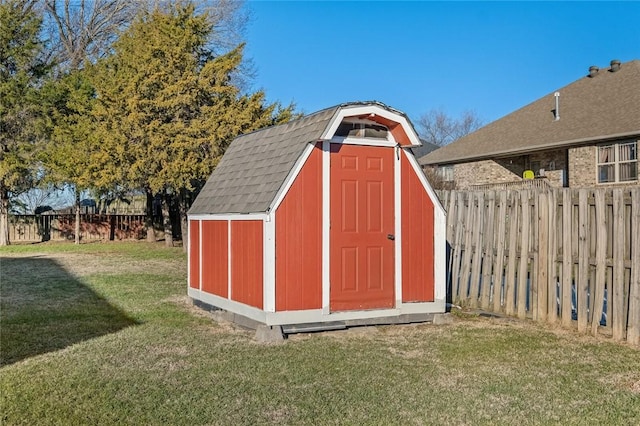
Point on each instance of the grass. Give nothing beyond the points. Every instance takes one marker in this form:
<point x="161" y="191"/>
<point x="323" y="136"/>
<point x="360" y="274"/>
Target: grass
<point x="104" y="334"/>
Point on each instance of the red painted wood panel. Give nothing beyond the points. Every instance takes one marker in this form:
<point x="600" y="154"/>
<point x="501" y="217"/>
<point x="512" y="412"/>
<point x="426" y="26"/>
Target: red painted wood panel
<point x="215" y="257"/>
<point x="417" y="238"/>
<point x="362" y="265"/>
<point x="194" y="254"/>
<point x="299" y="240"/>
<point x="247" y="262"/>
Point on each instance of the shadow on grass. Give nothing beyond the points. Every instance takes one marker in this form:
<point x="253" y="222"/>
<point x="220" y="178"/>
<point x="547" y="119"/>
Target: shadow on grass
<point x="44" y="308"/>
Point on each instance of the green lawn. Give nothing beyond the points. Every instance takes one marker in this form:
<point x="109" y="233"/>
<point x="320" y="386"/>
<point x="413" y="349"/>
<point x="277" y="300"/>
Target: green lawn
<point x="103" y="333"/>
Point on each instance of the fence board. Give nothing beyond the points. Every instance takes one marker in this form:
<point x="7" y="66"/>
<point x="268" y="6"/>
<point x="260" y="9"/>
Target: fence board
<point x="498" y="270"/>
<point x="552" y="291"/>
<point x="510" y="280"/>
<point x="582" y="283"/>
<point x="567" y="254"/>
<point x="522" y="286"/>
<point x="633" y="331"/>
<point x="478" y="227"/>
<point x="541" y="284"/>
<point x="618" y="266"/>
<point x="457" y="254"/>
<point x="601" y="267"/>
<point x="465" y="268"/>
<point x="488" y="251"/>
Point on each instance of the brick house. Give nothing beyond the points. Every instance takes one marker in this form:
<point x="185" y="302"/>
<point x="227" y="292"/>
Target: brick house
<point x="584" y="134"/>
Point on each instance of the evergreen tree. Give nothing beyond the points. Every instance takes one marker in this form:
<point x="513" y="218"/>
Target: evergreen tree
<point x="22" y="70"/>
<point x="166" y="104"/>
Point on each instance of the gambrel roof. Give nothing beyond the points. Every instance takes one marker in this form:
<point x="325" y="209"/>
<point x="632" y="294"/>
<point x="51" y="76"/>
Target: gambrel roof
<point x="600" y="107"/>
<point x="256" y="165"/>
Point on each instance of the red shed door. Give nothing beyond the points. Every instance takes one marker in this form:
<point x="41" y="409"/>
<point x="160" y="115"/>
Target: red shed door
<point x="362" y="221"/>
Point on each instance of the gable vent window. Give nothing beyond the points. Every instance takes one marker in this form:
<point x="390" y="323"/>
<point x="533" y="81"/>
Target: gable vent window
<point x="618" y="162"/>
<point x="362" y="130"/>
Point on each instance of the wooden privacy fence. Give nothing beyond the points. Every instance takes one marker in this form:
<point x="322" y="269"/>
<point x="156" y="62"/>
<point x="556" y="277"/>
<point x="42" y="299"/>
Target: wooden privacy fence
<point x="569" y="256"/>
<point x="35" y="228"/>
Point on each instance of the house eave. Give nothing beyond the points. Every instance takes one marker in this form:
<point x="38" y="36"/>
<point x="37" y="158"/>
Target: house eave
<point x="533" y="148"/>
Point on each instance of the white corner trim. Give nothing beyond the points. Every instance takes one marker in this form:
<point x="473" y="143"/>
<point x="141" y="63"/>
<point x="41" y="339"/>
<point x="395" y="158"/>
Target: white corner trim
<point x="291" y="177"/>
<point x="326" y="225"/>
<point x="397" y="195"/>
<point x="229" y="259"/>
<point x="439" y="255"/>
<point x="269" y="265"/>
<point x="200" y="256"/>
<point x="371" y="109"/>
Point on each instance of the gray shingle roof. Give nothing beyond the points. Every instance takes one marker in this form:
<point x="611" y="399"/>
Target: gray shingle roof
<point x="256" y="164"/>
<point x="591" y="109"/>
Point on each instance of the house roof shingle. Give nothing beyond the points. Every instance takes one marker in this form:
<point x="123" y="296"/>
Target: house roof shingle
<point x="598" y="108"/>
<point x="256" y="165"/>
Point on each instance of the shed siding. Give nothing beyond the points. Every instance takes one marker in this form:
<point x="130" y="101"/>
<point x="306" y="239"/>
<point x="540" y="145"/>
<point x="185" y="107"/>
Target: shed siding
<point x="247" y="262"/>
<point x="215" y="257"/>
<point x="194" y="254"/>
<point x="299" y="240"/>
<point x="417" y="238"/>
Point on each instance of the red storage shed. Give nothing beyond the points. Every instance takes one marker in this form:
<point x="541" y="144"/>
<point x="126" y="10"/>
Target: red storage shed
<point x="327" y="218"/>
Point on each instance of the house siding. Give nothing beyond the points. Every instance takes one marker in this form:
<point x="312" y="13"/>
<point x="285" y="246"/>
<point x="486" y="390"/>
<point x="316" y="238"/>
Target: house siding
<point x="483" y="172"/>
<point x="582" y="166"/>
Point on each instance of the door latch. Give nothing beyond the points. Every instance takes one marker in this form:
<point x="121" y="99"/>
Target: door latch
<point x="391" y="237"/>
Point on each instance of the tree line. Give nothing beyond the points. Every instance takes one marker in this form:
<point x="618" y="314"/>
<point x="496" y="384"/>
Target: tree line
<point x="114" y="96"/>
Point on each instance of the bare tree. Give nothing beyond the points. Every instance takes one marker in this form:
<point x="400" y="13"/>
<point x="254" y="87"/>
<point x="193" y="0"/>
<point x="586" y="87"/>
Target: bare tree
<point x="85" y="29"/>
<point x="439" y="128"/>
<point x="30" y="201"/>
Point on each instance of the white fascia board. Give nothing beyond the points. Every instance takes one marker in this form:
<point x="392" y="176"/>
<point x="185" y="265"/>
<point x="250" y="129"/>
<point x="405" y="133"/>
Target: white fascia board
<point x="371" y="109"/>
<point x="364" y="141"/>
<point x="291" y="177"/>
<point x="230" y="216"/>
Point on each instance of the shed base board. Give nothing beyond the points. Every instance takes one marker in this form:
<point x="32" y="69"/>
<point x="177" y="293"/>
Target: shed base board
<point x="251" y="317"/>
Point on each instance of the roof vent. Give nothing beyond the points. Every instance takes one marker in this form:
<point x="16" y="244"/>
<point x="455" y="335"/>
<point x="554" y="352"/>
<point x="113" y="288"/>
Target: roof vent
<point x="615" y="65"/>
<point x="593" y="71"/>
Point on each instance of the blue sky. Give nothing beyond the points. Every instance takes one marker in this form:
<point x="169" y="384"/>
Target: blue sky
<point x="490" y="57"/>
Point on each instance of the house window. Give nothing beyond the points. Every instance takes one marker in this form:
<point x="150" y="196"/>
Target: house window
<point x="362" y="130"/>
<point x="618" y="162"/>
<point x="446" y="173"/>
